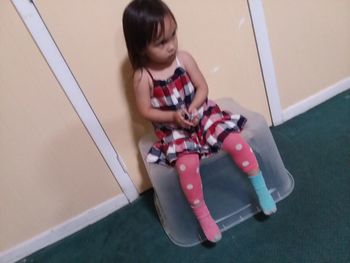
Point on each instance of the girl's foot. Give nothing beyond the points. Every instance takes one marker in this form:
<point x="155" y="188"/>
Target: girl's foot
<point x="266" y="201"/>
<point x="209" y="227"/>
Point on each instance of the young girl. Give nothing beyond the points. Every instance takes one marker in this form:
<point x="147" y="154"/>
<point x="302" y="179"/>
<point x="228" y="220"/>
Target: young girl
<point x="171" y="92"/>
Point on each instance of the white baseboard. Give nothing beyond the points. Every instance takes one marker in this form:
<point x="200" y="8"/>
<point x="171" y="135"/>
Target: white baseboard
<point x="315" y="99"/>
<point x="63" y="230"/>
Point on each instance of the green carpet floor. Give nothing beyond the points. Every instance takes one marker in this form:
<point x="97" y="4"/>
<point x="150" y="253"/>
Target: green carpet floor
<point x="311" y="225"/>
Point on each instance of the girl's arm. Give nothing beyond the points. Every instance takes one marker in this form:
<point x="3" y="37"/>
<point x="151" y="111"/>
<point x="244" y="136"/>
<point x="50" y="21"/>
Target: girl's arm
<point x="142" y="89"/>
<point x="197" y="79"/>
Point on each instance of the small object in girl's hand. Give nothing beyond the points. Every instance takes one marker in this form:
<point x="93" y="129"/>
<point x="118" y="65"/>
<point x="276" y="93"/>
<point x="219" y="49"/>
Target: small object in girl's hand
<point x="189" y="116"/>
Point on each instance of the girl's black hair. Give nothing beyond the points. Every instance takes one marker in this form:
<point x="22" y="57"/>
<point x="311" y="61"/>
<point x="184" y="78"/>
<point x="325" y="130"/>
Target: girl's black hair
<point x="141" y="19"/>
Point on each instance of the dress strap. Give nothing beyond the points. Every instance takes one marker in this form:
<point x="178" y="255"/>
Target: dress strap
<point x="178" y="62"/>
<point x="149" y="73"/>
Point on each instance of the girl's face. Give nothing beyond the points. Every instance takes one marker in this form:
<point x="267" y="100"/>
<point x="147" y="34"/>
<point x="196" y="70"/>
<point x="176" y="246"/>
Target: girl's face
<point x="162" y="51"/>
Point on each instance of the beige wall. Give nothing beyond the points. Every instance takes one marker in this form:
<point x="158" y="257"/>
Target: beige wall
<point x="310" y="43"/>
<point x="90" y="37"/>
<point x="49" y="166"/>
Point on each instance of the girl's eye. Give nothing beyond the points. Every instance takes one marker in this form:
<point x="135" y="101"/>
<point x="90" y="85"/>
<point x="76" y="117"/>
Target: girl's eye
<point x="161" y="43"/>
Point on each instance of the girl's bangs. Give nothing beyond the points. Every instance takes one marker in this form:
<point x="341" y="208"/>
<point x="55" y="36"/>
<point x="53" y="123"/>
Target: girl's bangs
<point x="158" y="29"/>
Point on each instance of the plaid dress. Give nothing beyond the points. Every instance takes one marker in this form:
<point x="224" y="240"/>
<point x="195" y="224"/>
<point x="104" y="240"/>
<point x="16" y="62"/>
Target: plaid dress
<point x="176" y="93"/>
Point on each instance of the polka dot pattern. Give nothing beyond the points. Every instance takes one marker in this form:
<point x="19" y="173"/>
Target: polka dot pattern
<point x="238" y="147"/>
<point x="196" y="202"/>
<point x="182" y="167"/>
<point x="245" y="163"/>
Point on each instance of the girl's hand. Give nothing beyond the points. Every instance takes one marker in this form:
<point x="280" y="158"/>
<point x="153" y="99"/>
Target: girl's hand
<point x="181" y="119"/>
<point x="194" y="116"/>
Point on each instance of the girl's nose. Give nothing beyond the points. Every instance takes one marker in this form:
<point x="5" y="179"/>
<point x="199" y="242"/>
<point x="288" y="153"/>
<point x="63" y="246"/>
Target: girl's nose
<point x="171" y="46"/>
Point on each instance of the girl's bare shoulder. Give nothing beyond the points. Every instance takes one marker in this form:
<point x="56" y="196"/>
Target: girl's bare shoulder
<point x="141" y="78"/>
<point x="184" y="56"/>
<point x="186" y="59"/>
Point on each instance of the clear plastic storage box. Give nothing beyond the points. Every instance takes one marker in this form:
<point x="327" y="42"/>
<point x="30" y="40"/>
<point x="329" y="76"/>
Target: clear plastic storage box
<point x="227" y="191"/>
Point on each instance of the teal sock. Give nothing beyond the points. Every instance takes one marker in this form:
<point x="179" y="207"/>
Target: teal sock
<point x="266" y="201"/>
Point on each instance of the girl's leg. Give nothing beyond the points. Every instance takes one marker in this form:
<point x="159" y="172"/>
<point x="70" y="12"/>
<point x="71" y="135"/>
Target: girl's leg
<point x="187" y="166"/>
<point x="245" y="159"/>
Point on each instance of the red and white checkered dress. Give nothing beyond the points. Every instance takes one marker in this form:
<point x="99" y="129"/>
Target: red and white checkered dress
<point x="178" y="92"/>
